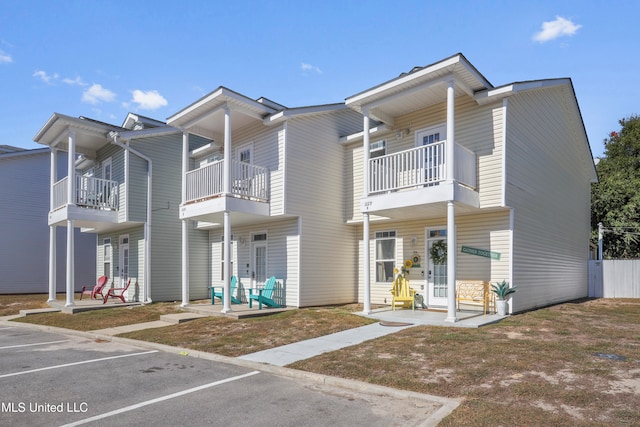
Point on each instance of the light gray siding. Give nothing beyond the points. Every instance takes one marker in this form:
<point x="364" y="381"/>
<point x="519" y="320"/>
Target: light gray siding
<point x="24" y="234"/>
<point x="548" y="187"/>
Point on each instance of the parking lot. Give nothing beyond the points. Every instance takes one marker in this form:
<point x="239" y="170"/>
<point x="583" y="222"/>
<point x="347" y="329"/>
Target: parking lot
<point x="66" y="379"/>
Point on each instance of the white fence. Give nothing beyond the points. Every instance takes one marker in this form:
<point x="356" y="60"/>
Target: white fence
<point x="614" y="278"/>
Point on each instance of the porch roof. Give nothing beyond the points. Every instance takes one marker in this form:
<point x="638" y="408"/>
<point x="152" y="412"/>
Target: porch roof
<point x="419" y="88"/>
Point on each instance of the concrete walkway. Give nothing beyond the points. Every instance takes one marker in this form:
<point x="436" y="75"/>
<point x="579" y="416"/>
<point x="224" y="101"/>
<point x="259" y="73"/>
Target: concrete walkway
<point x="287" y="354"/>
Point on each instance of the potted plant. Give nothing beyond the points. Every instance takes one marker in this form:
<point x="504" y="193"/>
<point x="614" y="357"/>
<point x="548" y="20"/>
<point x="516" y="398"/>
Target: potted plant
<point x="502" y="291"/>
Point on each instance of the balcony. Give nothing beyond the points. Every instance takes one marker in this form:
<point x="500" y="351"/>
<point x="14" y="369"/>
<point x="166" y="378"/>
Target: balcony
<point x="206" y="198"/>
<point x="417" y="177"/>
<point x="95" y="201"/>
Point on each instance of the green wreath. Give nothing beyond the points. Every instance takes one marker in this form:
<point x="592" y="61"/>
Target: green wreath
<point x="438" y="252"/>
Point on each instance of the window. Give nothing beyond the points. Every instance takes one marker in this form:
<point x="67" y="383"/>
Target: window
<point x="377" y="149"/>
<point x="385" y="256"/>
<point x="244" y="153"/>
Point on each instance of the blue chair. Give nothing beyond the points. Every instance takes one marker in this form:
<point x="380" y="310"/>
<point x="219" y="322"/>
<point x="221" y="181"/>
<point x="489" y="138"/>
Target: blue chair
<point x="264" y="295"/>
<point x="220" y="294"/>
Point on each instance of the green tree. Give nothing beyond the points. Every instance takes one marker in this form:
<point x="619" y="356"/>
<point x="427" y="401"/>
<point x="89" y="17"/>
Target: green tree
<point x="615" y="199"/>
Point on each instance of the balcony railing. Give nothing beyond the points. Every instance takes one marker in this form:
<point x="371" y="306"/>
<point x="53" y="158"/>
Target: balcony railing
<point x="90" y="192"/>
<point x="418" y="167"/>
<point x="248" y="181"/>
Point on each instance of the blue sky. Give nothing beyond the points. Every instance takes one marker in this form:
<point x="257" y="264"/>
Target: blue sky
<point x="102" y="59"/>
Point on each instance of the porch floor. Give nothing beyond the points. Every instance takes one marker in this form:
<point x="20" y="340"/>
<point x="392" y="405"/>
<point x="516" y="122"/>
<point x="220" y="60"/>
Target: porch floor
<point x="465" y="318"/>
<point x="88" y="304"/>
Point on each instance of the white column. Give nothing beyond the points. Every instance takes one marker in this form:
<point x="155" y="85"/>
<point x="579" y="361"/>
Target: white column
<point x="451" y="263"/>
<point x="52" y="263"/>
<point x="366" y="273"/>
<point x="53" y="175"/>
<point x="185" y="262"/>
<point x="226" y="301"/>
<point x="70" y="264"/>
<point x="71" y="189"/>
<point x="226" y="168"/>
<point x="451" y="147"/>
<point x="185" y="223"/>
<point x="71" y="170"/>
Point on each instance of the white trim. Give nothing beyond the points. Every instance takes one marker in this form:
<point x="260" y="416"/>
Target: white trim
<point x="430" y="130"/>
<point x="505" y="104"/>
<point x="245" y="147"/>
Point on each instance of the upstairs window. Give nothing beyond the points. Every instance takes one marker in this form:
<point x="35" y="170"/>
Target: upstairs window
<point x="377" y="149"/>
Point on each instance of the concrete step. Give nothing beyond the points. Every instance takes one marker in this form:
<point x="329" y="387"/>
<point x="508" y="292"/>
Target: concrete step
<point x="177" y="318"/>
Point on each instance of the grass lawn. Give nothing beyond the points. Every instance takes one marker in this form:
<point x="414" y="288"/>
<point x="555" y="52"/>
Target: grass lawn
<point x="572" y="364"/>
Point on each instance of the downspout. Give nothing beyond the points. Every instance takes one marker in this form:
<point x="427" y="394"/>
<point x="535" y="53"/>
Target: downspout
<point x="147" y="225"/>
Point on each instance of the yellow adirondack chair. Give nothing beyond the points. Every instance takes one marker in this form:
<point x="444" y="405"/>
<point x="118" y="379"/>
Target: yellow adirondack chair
<point x="402" y="293"/>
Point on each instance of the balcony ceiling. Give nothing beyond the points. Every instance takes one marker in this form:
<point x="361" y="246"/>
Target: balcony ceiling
<point x="418" y="89"/>
<point x="90" y="134"/>
<point x="205" y="117"/>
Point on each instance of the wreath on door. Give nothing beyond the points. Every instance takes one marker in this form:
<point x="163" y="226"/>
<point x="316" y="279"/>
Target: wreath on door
<point x="438" y="252"/>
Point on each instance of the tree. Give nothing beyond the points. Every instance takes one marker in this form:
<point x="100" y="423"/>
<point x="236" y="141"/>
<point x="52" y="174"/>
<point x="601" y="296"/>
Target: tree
<point x="615" y="199"/>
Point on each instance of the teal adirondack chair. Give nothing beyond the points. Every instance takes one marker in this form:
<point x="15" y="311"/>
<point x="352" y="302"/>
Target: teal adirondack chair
<point x="264" y="295"/>
<point x="220" y="294"/>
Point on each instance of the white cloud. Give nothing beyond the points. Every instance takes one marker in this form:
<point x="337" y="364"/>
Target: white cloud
<point x="553" y="29"/>
<point x="47" y="78"/>
<point x="5" y="58"/>
<point x="149" y="100"/>
<point x="74" y="82"/>
<point x="308" y="67"/>
<point x="96" y="94"/>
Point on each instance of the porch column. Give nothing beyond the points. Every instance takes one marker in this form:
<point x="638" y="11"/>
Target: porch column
<point x="365" y="229"/>
<point x="70" y="264"/>
<point x="226" y="165"/>
<point x="185" y="262"/>
<point x="53" y="175"/>
<point x="226" y="300"/>
<point x="71" y="194"/>
<point x="451" y="263"/>
<point x="52" y="263"/>
<point x="185" y="223"/>
<point x="451" y="141"/>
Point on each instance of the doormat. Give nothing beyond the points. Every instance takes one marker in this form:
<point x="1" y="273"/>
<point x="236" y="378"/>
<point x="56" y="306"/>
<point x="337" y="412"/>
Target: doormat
<point x="383" y="323"/>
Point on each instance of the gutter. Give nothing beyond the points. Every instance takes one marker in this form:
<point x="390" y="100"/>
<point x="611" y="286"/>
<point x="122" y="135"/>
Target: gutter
<point x="147" y="225"/>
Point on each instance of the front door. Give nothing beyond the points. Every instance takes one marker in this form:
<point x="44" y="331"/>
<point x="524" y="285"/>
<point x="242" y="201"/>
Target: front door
<point x="259" y="249"/>
<point x="436" y="256"/>
<point x="124" y="260"/>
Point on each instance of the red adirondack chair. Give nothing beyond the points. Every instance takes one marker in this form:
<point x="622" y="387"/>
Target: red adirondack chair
<point x="117" y="292"/>
<point x="95" y="290"/>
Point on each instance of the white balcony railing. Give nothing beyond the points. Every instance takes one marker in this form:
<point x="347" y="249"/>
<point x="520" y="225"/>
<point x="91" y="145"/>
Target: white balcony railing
<point x="247" y="181"/>
<point x="417" y="167"/>
<point x="90" y="192"/>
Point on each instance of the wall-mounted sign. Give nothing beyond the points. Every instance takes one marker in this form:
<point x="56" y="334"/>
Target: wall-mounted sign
<point x="480" y="252"/>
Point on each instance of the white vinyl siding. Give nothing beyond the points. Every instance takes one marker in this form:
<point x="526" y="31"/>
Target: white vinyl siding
<point x="315" y="189"/>
<point x="24" y="234"/>
<point x="548" y="188"/>
<point x="489" y="231"/>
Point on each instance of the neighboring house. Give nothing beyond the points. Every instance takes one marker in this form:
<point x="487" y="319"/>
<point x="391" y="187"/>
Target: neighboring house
<point x="269" y="191"/>
<point x="500" y="174"/>
<point x="126" y="190"/>
<point x="24" y="243"/>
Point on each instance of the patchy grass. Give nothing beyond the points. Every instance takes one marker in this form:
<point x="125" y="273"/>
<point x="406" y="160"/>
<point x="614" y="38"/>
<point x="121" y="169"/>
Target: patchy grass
<point x="532" y="369"/>
<point x="99" y="319"/>
<point x="12" y="304"/>
<point x="536" y="368"/>
<point x="231" y="337"/>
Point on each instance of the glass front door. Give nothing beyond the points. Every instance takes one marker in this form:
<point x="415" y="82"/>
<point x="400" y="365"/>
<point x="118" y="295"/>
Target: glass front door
<point x="436" y="256"/>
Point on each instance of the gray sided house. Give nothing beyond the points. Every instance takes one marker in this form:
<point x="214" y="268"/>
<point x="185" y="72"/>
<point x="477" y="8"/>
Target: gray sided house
<point x="24" y="242"/>
<point x="460" y="180"/>
<point x="122" y="184"/>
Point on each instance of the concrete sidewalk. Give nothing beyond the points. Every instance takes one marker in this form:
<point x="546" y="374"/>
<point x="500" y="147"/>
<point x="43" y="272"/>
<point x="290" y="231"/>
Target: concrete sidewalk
<point x="287" y="354"/>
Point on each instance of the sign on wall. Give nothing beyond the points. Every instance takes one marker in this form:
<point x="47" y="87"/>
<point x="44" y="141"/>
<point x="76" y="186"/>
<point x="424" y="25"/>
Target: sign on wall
<point x="480" y="252"/>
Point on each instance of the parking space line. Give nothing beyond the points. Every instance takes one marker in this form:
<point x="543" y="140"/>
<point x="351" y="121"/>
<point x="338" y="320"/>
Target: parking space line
<point x="76" y="363"/>
<point x="29" y="345"/>
<point x="159" y="399"/>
